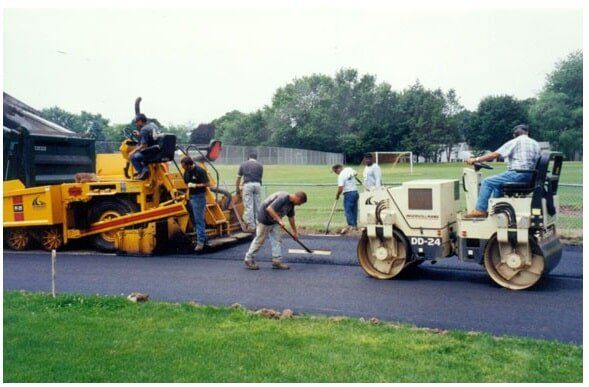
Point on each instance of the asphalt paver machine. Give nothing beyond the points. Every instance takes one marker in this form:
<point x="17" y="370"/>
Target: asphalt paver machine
<point x="56" y="189"/>
<point x="421" y="221"/>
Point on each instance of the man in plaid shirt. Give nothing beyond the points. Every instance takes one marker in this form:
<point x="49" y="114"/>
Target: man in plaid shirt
<point x="521" y="153"/>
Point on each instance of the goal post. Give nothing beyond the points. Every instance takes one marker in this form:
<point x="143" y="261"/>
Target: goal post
<point x="395" y="157"/>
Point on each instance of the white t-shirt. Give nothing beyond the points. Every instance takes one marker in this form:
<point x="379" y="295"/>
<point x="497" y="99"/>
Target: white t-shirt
<point x="372" y="177"/>
<point x="346" y="179"/>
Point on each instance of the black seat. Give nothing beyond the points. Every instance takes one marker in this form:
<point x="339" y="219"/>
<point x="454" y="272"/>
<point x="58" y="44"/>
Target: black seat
<point x="525" y="188"/>
<point x="543" y="183"/>
<point x="162" y="151"/>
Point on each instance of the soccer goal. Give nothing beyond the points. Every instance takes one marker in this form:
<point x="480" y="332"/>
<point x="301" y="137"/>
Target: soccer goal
<point x="399" y="157"/>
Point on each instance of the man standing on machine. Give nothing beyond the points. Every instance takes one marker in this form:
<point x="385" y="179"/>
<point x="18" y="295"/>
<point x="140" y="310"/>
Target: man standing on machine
<point x="346" y="184"/>
<point x="270" y="223"/>
<point x="521" y="153"/>
<point x="145" y="132"/>
<point x="197" y="180"/>
<point x="251" y="171"/>
<point x="372" y="174"/>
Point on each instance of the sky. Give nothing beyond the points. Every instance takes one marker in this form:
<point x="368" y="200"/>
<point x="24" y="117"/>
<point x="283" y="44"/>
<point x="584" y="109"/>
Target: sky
<point x="194" y="65"/>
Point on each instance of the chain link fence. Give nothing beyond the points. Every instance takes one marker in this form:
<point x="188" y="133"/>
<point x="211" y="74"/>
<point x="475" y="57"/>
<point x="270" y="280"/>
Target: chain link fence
<point x="267" y="155"/>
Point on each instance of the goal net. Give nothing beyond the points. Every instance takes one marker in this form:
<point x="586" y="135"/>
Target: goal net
<point x="395" y="159"/>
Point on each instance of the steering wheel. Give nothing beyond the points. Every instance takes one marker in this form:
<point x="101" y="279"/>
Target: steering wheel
<point x="478" y="166"/>
<point x="129" y="135"/>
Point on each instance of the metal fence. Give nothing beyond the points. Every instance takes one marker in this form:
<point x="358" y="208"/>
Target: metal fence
<point x="268" y="155"/>
<point x="315" y="213"/>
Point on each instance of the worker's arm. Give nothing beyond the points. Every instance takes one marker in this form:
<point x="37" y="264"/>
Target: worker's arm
<point x="274" y="215"/>
<point x="488" y="157"/>
<point x="293" y="227"/>
<point x="340" y="189"/>
<point x="237" y="185"/>
<point x="137" y="148"/>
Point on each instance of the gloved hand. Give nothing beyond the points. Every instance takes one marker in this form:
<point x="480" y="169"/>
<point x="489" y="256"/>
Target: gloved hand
<point x="191" y="185"/>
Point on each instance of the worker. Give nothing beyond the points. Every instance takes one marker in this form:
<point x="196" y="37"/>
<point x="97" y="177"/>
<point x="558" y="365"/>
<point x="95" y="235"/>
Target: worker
<point x="372" y="174"/>
<point x="346" y="184"/>
<point x="270" y="223"/>
<point x="251" y="171"/>
<point x="521" y="153"/>
<point x="145" y="133"/>
<point x="197" y="180"/>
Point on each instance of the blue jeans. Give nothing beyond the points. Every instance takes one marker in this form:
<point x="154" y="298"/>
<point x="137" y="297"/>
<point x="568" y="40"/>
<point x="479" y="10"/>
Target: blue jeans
<point x="351" y="207"/>
<point x="198" y="202"/>
<point x="138" y="161"/>
<point x="492" y="186"/>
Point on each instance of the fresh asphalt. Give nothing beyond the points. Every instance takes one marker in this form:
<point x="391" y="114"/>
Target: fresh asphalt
<point x="447" y="295"/>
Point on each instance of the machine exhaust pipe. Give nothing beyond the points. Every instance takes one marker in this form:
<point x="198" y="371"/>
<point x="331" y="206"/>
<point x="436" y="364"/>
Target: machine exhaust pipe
<point x="137" y="105"/>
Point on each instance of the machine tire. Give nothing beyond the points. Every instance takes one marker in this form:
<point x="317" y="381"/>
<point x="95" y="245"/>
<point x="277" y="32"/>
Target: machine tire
<point x="109" y="209"/>
<point x="17" y="238"/>
<point x="51" y="238"/>
<point x="523" y="279"/>
<point x="368" y="264"/>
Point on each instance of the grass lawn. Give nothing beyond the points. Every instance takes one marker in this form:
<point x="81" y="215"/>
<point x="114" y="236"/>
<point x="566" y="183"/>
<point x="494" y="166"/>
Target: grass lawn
<point x="314" y="214"/>
<point x="109" y="339"/>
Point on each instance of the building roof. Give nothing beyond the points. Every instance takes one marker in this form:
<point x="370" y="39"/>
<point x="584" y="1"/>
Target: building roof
<point x="18" y="115"/>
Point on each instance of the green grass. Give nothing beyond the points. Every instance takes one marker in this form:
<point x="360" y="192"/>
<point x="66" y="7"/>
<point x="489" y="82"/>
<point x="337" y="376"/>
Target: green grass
<point x="109" y="339"/>
<point x="314" y="214"/>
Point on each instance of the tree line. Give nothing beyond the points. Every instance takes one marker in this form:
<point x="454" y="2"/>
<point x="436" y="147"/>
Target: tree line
<point x="354" y="114"/>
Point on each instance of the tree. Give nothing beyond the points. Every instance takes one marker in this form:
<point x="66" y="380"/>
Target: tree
<point x="453" y="116"/>
<point x="567" y="78"/>
<point x="86" y="124"/>
<point x="422" y="121"/>
<point x="494" y="120"/>
<point x="557" y="114"/>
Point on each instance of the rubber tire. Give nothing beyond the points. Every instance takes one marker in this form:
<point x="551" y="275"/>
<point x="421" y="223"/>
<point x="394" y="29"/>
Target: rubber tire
<point x="122" y="206"/>
<point x="28" y="243"/>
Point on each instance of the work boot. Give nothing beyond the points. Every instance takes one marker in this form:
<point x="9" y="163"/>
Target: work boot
<point x="476" y="214"/>
<point x="143" y="175"/>
<point x="199" y="247"/>
<point x="250" y="264"/>
<point x="277" y="264"/>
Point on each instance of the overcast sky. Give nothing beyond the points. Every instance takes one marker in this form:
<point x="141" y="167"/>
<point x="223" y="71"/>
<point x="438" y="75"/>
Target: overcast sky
<point x="195" y="65"/>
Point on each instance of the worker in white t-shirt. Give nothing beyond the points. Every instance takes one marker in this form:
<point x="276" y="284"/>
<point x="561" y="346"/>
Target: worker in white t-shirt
<point x="372" y="174"/>
<point x="346" y="184"/>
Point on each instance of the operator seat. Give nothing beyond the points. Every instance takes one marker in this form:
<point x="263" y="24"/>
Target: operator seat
<point x="162" y="151"/>
<point x="538" y="176"/>
<point x="542" y="184"/>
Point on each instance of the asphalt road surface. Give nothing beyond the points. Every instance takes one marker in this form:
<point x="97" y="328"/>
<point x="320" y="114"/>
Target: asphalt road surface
<point x="447" y="295"/>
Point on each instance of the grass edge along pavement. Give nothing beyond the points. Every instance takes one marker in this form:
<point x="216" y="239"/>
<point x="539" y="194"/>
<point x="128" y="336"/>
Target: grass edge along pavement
<point x="109" y="339"/>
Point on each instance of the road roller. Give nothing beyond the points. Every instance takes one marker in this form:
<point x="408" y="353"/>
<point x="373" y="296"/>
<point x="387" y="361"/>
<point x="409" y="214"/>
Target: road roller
<point x="421" y="220"/>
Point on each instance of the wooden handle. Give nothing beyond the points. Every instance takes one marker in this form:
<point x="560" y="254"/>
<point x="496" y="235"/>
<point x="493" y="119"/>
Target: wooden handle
<point x="296" y="240"/>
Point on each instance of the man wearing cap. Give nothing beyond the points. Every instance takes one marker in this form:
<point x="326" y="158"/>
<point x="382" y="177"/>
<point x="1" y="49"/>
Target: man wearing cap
<point x="346" y="184"/>
<point x="372" y="174"/>
<point x="251" y="171"/>
<point x="145" y="132"/>
<point x="521" y="153"/>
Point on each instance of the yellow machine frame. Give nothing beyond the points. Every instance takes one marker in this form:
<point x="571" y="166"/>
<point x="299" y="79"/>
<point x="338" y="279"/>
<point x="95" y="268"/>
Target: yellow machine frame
<point x="54" y="214"/>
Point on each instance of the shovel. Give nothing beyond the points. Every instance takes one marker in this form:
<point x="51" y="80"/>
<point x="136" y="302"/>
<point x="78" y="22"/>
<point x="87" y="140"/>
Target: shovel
<point x="331" y="216"/>
<point x="306" y="249"/>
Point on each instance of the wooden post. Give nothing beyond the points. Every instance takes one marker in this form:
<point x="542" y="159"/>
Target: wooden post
<point x="53" y="272"/>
